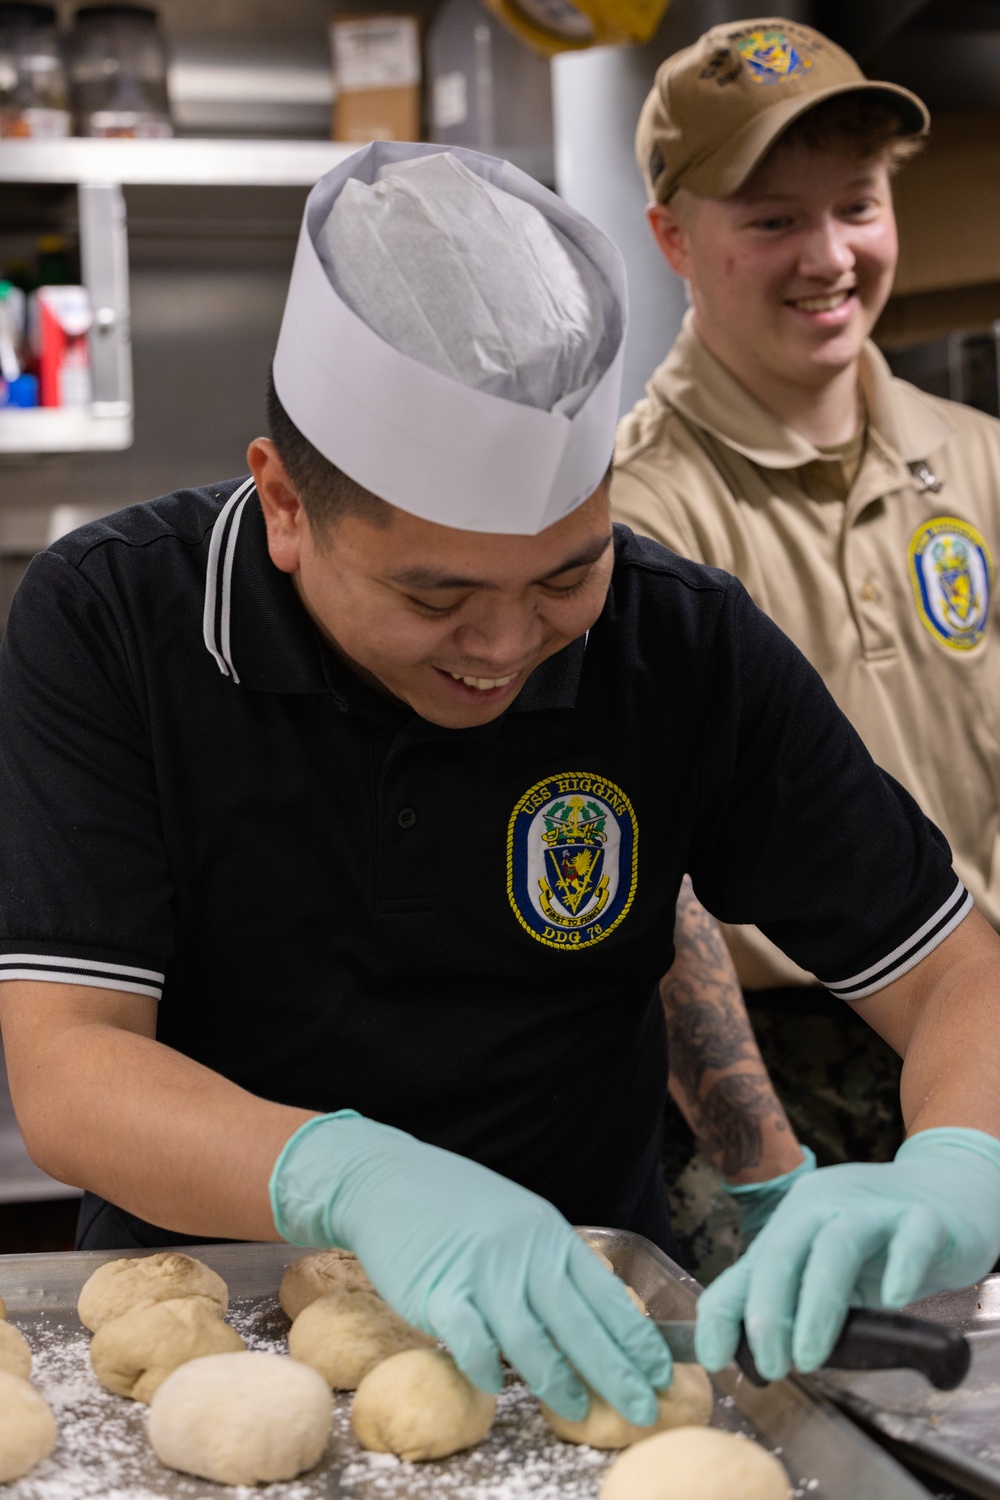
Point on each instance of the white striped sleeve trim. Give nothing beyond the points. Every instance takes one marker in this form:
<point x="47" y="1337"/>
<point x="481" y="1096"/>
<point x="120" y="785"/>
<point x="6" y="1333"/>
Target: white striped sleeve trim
<point x="218" y="579"/>
<point x="908" y="954"/>
<point x="100" y="976"/>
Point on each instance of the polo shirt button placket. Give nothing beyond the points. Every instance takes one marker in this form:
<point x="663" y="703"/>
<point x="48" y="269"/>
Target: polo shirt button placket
<point x="874" y="621"/>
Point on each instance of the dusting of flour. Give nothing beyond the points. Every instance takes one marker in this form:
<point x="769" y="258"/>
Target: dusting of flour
<point x="103" y="1452"/>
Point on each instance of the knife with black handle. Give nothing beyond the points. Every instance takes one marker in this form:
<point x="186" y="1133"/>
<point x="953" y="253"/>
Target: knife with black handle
<point x="871" y="1339"/>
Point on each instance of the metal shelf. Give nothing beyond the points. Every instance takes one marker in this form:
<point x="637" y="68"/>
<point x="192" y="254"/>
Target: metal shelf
<point x="99" y="169"/>
<point x="106" y="423"/>
<point x="66" y="429"/>
<point x="188" y="162"/>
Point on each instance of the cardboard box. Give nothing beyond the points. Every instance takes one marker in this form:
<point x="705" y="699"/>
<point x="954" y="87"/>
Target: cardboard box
<point x="948" y="206"/>
<point x="948" y="213"/>
<point x="376" y="72"/>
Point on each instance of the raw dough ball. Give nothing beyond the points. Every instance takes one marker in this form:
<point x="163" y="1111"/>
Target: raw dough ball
<point x="687" y="1403"/>
<point x="696" y="1463"/>
<point x="317" y="1276"/>
<point x="27" y="1428"/>
<point x="3" y="1309"/>
<point x="133" y="1355"/>
<point x="636" y="1299"/>
<point x="241" y="1418"/>
<point x="346" y="1334"/>
<point x="120" y="1285"/>
<point x="15" y="1356"/>
<point x="604" y="1260"/>
<point x="419" y="1404"/>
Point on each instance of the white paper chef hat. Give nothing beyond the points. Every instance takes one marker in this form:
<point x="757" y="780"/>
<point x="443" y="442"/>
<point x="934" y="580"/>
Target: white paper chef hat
<point x="409" y="423"/>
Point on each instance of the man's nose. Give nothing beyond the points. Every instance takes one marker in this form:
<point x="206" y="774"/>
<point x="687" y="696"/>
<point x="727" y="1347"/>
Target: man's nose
<point x="502" y="634"/>
<point x="827" y="252"/>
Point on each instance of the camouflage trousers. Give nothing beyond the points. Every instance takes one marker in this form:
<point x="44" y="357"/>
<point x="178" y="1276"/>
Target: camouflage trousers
<point x="839" y="1084"/>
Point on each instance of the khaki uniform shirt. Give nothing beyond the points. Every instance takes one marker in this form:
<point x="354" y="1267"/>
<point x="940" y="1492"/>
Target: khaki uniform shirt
<point x="883" y="577"/>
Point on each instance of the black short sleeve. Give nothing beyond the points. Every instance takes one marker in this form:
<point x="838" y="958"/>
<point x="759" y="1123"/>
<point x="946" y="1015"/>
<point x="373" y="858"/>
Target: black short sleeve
<point x="85" y="893"/>
<point x="810" y="840"/>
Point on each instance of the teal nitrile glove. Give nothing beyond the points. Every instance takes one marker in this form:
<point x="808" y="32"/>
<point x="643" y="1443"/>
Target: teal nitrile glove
<point x="757" y="1201"/>
<point x="870" y="1235"/>
<point x="473" y="1259"/>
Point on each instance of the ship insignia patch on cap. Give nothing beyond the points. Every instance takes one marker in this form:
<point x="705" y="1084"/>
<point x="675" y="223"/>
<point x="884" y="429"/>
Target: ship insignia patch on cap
<point x="770" y="57"/>
<point x="951" y="571"/>
<point x="571" y="859"/>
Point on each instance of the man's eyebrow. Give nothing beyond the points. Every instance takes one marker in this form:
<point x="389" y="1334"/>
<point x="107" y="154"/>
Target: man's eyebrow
<point x="756" y="198"/>
<point x="433" y="578"/>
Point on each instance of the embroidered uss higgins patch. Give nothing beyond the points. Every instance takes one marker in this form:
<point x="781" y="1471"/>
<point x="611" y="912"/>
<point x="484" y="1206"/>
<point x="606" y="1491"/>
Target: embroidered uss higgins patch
<point x="571" y="859"/>
<point x="951" y="571"/>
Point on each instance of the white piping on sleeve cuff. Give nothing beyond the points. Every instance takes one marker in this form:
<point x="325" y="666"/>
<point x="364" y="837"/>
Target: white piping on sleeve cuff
<point x="907" y="954"/>
<point x="49" y="969"/>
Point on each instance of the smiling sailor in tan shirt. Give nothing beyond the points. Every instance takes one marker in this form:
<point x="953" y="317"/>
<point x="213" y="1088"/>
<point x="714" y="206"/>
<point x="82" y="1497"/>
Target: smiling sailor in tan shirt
<point x="883" y="581"/>
<point x="862" y="514"/>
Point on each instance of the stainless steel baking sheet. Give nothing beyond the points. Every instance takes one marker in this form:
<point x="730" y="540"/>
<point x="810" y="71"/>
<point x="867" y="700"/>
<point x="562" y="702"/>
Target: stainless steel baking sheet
<point x="955" y="1434"/>
<point x="103" y="1451"/>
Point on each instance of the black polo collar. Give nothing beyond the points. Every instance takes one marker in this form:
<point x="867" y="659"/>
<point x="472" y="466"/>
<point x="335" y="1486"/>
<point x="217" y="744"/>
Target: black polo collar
<point x="260" y="635"/>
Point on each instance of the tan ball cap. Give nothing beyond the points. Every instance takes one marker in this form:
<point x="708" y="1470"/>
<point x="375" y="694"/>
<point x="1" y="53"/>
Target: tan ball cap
<point x="716" y="108"/>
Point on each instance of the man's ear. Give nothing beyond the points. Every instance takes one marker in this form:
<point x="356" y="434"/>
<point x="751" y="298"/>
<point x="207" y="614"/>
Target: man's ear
<point x="672" y="237"/>
<point x="284" y="513"/>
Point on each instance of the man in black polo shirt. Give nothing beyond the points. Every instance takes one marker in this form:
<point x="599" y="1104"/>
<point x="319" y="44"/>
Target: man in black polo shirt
<point x="382" y="779"/>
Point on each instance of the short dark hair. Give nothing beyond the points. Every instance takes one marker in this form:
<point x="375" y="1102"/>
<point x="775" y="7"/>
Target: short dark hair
<point x="863" y="125"/>
<point x="326" y="492"/>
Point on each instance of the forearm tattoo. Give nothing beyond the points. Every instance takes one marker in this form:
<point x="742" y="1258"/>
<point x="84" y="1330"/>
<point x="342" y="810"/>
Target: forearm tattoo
<point x="713" y="1056"/>
<point x="732" y="1113"/>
